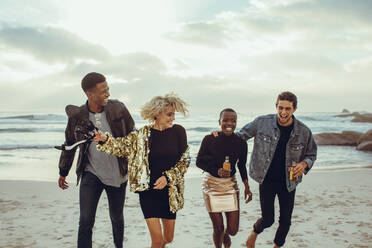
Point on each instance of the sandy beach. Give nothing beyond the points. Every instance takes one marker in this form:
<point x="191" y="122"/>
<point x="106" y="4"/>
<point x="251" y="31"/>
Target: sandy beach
<point x="332" y="209"/>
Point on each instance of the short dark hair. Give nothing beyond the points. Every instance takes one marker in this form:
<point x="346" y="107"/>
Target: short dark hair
<point x="226" y="110"/>
<point x="91" y="79"/>
<point x="287" y="96"/>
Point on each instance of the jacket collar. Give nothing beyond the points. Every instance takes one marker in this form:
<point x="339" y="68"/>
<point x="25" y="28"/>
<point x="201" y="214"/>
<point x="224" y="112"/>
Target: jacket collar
<point x="82" y="112"/>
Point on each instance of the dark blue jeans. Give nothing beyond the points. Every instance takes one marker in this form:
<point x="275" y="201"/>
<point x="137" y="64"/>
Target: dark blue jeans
<point x="268" y="191"/>
<point x="90" y="191"/>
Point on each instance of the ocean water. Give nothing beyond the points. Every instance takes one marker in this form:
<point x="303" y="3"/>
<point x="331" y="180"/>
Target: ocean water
<point x="27" y="142"/>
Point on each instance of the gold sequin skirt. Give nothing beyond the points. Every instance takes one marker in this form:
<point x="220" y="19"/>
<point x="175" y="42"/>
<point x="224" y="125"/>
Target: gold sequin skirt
<point x="220" y="194"/>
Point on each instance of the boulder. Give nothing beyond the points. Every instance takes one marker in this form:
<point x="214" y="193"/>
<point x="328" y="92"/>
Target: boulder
<point x="358" y="117"/>
<point x="366" y="137"/>
<point x="345" y="111"/>
<point x="346" y="138"/>
<point x="362" y="118"/>
<point x="365" y="146"/>
<point x="347" y="114"/>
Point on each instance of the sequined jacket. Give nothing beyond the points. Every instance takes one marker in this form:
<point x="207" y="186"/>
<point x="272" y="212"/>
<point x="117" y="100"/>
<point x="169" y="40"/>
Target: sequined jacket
<point x="135" y="148"/>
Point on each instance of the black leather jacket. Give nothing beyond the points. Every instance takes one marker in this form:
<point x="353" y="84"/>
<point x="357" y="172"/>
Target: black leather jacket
<point x="121" y="124"/>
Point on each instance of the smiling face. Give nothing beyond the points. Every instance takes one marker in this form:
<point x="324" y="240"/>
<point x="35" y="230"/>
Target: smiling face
<point x="165" y="119"/>
<point x="227" y="122"/>
<point x="285" y="111"/>
<point x="99" y="94"/>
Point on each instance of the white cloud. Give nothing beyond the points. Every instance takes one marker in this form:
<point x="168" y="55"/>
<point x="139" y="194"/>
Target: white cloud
<point x="241" y="59"/>
<point x="50" y="45"/>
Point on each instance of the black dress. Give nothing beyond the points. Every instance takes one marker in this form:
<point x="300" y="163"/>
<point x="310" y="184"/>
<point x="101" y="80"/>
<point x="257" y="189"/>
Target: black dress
<point x="166" y="148"/>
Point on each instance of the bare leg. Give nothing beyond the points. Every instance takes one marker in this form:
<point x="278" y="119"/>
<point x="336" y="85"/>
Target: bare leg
<point x="168" y="230"/>
<point x="232" y="227"/>
<point x="218" y="229"/>
<point x="154" y="227"/>
<point x="251" y="239"/>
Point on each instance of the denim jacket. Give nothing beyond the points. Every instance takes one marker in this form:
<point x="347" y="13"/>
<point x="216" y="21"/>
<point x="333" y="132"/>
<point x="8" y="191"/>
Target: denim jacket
<point x="300" y="147"/>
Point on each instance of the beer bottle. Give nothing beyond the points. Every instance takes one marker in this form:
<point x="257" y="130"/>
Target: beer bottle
<point x="226" y="164"/>
<point x="291" y="176"/>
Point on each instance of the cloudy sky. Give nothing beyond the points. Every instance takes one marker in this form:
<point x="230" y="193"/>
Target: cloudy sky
<point x="214" y="54"/>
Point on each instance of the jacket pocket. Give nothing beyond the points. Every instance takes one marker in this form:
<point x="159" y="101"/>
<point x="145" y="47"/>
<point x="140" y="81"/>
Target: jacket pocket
<point x="296" y="151"/>
<point x="263" y="142"/>
<point x="296" y="147"/>
<point x="264" y="138"/>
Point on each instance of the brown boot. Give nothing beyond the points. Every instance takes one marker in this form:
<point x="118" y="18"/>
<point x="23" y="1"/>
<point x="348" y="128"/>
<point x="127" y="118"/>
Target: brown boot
<point x="251" y="239"/>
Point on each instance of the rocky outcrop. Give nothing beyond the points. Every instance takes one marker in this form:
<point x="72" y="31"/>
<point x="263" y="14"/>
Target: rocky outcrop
<point x="346" y="138"/>
<point x="362" y="118"/>
<point x="343" y="115"/>
<point x="365" y="146"/>
<point x="358" y="117"/>
<point x="366" y="137"/>
<point x="363" y="142"/>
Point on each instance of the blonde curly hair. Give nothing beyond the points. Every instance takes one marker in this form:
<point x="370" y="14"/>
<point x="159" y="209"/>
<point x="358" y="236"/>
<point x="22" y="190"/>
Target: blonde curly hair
<point x="159" y="104"/>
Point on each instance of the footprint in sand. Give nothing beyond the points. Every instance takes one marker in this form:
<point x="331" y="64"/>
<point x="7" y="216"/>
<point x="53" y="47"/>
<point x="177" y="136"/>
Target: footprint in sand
<point x="209" y="243"/>
<point x="322" y="228"/>
<point x="335" y="234"/>
<point x="297" y="235"/>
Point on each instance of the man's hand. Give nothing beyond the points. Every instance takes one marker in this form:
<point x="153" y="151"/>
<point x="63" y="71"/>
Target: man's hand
<point x="161" y="182"/>
<point x="215" y="133"/>
<point x="299" y="169"/>
<point x="223" y="173"/>
<point x="99" y="136"/>
<point x="247" y="194"/>
<point x="62" y="182"/>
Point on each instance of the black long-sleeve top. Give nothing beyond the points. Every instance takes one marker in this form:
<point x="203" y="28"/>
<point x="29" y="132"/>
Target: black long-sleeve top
<point x="166" y="148"/>
<point x="276" y="172"/>
<point x="213" y="151"/>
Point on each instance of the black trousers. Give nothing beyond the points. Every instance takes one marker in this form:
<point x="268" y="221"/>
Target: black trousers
<point x="268" y="192"/>
<point x="91" y="189"/>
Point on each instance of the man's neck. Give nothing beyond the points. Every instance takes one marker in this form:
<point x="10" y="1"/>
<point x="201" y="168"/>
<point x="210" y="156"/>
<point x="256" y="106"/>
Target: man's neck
<point x="95" y="108"/>
<point x="286" y="124"/>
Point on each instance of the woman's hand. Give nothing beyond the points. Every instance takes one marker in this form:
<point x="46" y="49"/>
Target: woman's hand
<point x="223" y="173"/>
<point x="161" y="182"/>
<point x="247" y="194"/>
<point x="99" y="136"/>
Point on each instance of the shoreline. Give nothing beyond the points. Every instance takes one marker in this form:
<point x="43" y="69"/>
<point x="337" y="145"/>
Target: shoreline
<point x="72" y="176"/>
<point x="332" y="209"/>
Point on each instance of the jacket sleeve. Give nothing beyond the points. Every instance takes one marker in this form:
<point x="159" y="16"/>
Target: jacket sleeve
<point x="205" y="160"/>
<point x="248" y="131"/>
<point x="242" y="161"/>
<point x="175" y="174"/>
<point x="67" y="157"/>
<point x="310" y="153"/>
<point x="120" y="146"/>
